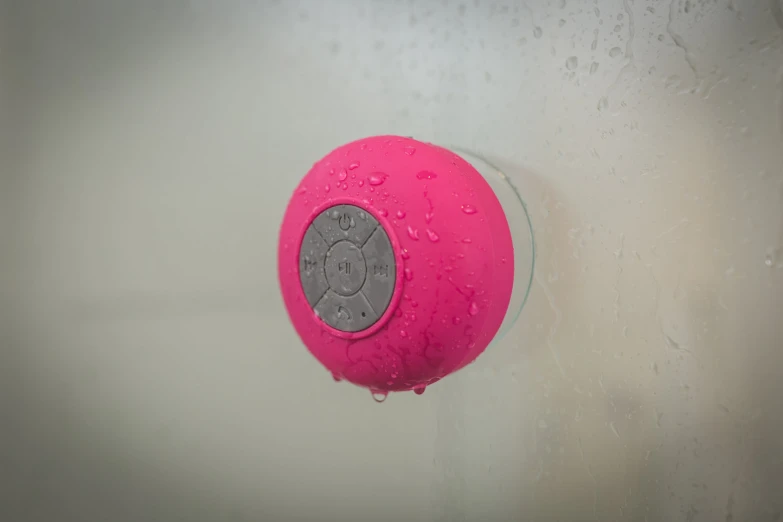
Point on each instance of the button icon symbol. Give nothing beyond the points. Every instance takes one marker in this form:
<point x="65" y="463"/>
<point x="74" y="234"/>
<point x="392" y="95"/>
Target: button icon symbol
<point x="380" y="270"/>
<point x="309" y="265"/>
<point x="344" y="267"/>
<point x="343" y="314"/>
<point x="344" y="221"/>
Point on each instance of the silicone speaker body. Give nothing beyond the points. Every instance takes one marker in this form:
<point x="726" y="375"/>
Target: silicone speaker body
<point x="396" y="263"/>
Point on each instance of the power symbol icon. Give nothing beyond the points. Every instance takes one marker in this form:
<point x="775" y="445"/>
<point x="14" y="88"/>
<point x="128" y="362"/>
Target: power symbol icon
<point x="345" y="221"/>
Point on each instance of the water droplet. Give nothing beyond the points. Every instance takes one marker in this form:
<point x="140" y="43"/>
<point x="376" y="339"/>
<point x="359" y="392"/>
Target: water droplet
<point x="361" y="182"/>
<point x="344" y="186"/>
<point x="561" y="23"/>
<point x="614" y="52"/>
<point x="408" y="274"/>
<point x="537" y="32"/>
<point x="603" y="103"/>
<point x="342" y="175"/>
<point x="473" y="309"/>
<point x="379" y="395"/>
<point x="353" y="166"/>
<point x="413" y="233"/>
<point x="572" y="62"/>
<point x="337" y="377"/>
<point x="455" y="320"/>
<point x="412" y="317"/>
<point x="376" y="179"/>
<point x="426" y="174"/>
<point x="428" y="217"/>
<point x="593" y="67"/>
<point x="410" y="151"/>
<point x="469" y="209"/>
<point x="414" y="304"/>
<point x="302" y="191"/>
<point x="327" y="188"/>
<point x="398" y="313"/>
<point x="400" y="214"/>
<point x="433" y="236"/>
<point x="383" y="212"/>
<point x="419" y="389"/>
<point x="403" y="333"/>
<point x="405" y="254"/>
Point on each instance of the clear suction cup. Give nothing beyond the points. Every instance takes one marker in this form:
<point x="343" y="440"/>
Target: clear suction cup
<point x="521" y="234"/>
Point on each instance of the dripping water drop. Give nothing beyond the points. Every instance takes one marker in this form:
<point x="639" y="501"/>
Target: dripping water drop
<point x="379" y="395"/>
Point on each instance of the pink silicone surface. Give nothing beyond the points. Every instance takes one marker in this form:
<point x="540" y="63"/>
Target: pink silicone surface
<point x="453" y="251"/>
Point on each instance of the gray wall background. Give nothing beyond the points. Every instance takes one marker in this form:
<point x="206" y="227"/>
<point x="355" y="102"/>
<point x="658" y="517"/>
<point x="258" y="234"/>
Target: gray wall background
<point x="147" y="368"/>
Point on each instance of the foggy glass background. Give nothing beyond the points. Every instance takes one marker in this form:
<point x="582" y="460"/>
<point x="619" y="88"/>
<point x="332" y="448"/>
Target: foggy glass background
<point x="147" y="367"/>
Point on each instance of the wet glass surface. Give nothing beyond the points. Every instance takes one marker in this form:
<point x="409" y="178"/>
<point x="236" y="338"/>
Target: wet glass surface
<point x="148" y="370"/>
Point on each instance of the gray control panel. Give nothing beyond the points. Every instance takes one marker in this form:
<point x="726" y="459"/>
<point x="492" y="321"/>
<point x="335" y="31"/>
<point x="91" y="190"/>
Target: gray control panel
<point x="347" y="268"/>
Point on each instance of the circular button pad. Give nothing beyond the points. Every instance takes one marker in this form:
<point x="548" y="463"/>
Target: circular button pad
<point x="347" y="268"/>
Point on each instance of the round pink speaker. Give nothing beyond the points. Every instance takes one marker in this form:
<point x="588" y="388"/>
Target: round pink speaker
<point x="400" y="261"/>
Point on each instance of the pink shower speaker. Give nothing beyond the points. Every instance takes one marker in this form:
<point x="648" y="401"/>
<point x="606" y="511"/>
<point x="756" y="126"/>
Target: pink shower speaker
<point x="396" y="263"/>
